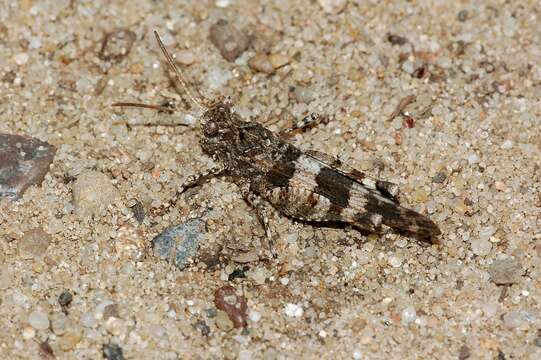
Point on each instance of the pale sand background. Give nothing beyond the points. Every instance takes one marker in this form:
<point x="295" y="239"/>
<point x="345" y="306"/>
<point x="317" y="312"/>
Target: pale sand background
<point x="471" y="161"/>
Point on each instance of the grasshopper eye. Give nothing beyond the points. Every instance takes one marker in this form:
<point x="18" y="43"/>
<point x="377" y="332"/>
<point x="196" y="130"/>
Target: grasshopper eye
<point x="210" y="128"/>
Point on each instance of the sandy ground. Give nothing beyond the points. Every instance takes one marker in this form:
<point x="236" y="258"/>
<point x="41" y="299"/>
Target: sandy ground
<point x="466" y="152"/>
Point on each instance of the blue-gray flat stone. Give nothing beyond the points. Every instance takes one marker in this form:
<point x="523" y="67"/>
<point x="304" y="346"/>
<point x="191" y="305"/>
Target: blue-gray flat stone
<point x="179" y="244"/>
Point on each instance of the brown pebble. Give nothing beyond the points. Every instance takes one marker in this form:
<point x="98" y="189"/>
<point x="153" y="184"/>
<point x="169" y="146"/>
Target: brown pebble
<point x="464" y="353"/>
<point x="24" y="161"/>
<point x="235" y="306"/>
<point x="278" y="60"/>
<point x="45" y="350"/>
<point x="229" y="40"/>
<point x="110" y="310"/>
<point x="261" y="63"/>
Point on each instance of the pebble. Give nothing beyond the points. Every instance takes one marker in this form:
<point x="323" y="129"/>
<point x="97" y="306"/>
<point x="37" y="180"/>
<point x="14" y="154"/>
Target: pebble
<point x="24" y="162"/>
<point x="258" y="275"/>
<point x="34" y="243"/>
<point x="254" y="316"/>
<point x="462" y="15"/>
<point x="69" y="340"/>
<point x="110" y="310"/>
<point x="179" y="244"/>
<point x="333" y="6"/>
<point x="229" y="40"/>
<point x="481" y="247"/>
<point x="464" y="353"/>
<point x="28" y="332"/>
<point x="226" y="299"/>
<point x="278" y="60"/>
<point x="408" y="315"/>
<point x="395" y="262"/>
<point x="65" y="299"/>
<point x="88" y="320"/>
<point x="114" y="326"/>
<point x="507" y="144"/>
<point x="261" y="63"/>
<point x="303" y="94"/>
<point x="112" y="352"/>
<point x="38" y="320"/>
<point x="293" y="310"/>
<point x="513" y="319"/>
<point x="439" y="178"/>
<point x="396" y="39"/>
<point x="59" y="323"/>
<point x="185" y="57"/>
<point x="117" y="45"/>
<point x="505" y="272"/>
<point x="92" y="194"/>
<point x="223" y="322"/>
<point x="21" y="58"/>
<point x="537" y="341"/>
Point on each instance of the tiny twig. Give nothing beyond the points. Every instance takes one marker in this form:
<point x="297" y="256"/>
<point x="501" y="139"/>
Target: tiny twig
<point x="401" y="106"/>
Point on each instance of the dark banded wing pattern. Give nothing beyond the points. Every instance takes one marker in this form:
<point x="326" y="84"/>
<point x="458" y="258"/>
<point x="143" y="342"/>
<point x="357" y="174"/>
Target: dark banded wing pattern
<point x="308" y="188"/>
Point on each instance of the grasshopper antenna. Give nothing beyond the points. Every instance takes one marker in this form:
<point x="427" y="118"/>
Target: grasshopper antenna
<point x="194" y="95"/>
<point x="146" y="106"/>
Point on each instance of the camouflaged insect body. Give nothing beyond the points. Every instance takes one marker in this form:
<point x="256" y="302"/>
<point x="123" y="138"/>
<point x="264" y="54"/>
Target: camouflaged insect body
<point x="309" y="186"/>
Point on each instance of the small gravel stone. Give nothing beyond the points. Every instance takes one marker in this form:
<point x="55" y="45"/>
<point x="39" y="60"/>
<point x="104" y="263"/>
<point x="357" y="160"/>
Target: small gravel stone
<point x="92" y="194"/>
<point x="88" y="320"/>
<point x="110" y="310"/>
<point x="117" y="45"/>
<point x="179" y="244"/>
<point x="278" y="60"/>
<point x="138" y="212"/>
<point x="203" y="327"/>
<point x="65" y="299"/>
<point x="254" y="316"/>
<point x="505" y="272"/>
<point x="69" y="340"/>
<point x="24" y="161"/>
<point x="462" y="15"/>
<point x="396" y="39"/>
<point x="185" y="57"/>
<point x="38" y="320"/>
<point x="333" y="6"/>
<point x="28" y="332"/>
<point x="112" y="352"/>
<point x="395" y="262"/>
<point x="464" y="353"/>
<point x="513" y="319"/>
<point x="439" y="178"/>
<point x="293" y="310"/>
<point x="229" y="40"/>
<point x="226" y="299"/>
<point x="261" y="63"/>
<point x="537" y="341"/>
<point x="481" y="247"/>
<point x="303" y="94"/>
<point x="34" y="243"/>
<point x="223" y="322"/>
<point x="59" y="323"/>
<point x="21" y="58"/>
<point x="408" y="315"/>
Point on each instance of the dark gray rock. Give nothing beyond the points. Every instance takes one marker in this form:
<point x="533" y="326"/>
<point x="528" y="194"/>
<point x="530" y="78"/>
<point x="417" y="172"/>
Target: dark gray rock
<point x="24" y="161"/>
